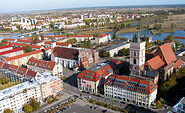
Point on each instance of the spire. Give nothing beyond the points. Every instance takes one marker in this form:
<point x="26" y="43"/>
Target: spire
<point x="137" y="37"/>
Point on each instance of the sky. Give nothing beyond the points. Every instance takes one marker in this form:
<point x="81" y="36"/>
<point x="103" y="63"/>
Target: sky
<point x="31" y="5"/>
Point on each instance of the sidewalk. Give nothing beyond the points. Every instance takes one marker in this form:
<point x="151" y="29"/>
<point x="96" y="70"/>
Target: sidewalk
<point x="47" y="106"/>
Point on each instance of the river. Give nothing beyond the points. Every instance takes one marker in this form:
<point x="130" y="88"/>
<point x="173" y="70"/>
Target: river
<point x="160" y="36"/>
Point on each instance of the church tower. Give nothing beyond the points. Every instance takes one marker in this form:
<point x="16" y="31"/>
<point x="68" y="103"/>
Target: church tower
<point x="137" y="56"/>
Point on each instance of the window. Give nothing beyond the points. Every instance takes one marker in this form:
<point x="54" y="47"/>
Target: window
<point x="134" y="53"/>
<point x="134" y="61"/>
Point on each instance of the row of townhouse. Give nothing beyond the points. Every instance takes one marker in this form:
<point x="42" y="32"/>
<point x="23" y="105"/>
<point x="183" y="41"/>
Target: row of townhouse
<point x="130" y="90"/>
<point x="79" y="38"/>
<point x="34" y="47"/>
<point x="45" y="66"/>
<point x="58" y="44"/>
<point x="56" y="37"/>
<point x="6" y="48"/>
<point x="92" y="79"/>
<point x="16" y="96"/>
<point x="11" y="53"/>
<point x="17" y="73"/>
<point x="23" y="58"/>
<point x="35" y="41"/>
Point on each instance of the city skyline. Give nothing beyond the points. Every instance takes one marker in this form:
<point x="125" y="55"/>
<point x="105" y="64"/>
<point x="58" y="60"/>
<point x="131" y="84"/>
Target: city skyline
<point x="8" y="6"/>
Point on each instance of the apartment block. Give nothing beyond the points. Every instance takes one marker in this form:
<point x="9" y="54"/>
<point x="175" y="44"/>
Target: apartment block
<point x="41" y="66"/>
<point x="130" y="90"/>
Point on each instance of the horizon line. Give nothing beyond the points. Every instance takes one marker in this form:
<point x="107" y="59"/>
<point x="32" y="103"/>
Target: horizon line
<point x="94" y="7"/>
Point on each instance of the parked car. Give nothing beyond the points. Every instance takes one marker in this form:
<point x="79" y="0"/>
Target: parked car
<point x="95" y="107"/>
<point x="92" y="107"/>
<point x="69" y="106"/>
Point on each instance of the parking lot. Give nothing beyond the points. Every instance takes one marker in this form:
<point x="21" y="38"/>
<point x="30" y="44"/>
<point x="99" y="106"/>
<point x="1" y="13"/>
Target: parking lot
<point x="84" y="109"/>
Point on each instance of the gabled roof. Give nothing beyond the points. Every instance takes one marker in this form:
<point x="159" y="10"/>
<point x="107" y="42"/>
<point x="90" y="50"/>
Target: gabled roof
<point x="7" y="46"/>
<point x="13" y="68"/>
<point x="9" y="39"/>
<point x="179" y="37"/>
<point x="1" y="64"/>
<point x="166" y="53"/>
<point x="95" y="75"/>
<point x="80" y="36"/>
<point x="28" y="41"/>
<point x="103" y="35"/>
<point x="18" y="44"/>
<point x="36" y="41"/>
<point x="47" y="42"/>
<point x="68" y="53"/>
<point x="41" y="63"/>
<point x="23" y="55"/>
<point x="178" y="63"/>
<point x="62" y="44"/>
<point x="156" y="62"/>
<point x="11" y="51"/>
<point x="31" y="73"/>
<point x="22" y="70"/>
<point x="6" y="65"/>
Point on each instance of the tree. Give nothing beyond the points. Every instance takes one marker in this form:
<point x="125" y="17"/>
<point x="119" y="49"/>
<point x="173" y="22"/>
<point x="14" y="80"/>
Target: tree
<point x="159" y="42"/>
<point x="161" y="100"/>
<point x="174" y="49"/>
<point x="28" y="108"/>
<point x="49" y="100"/>
<point x="157" y="26"/>
<point x="128" y="26"/>
<point x="56" y="97"/>
<point x="115" y="36"/>
<point x="1" y="44"/>
<point x="35" y="105"/>
<point x="52" y="25"/>
<point x="4" y="41"/>
<point x="123" y="26"/>
<point x="27" y="49"/>
<point x="177" y="44"/>
<point x="42" y="37"/>
<point x="158" y="103"/>
<point x="8" y="111"/>
<point x="169" y="37"/>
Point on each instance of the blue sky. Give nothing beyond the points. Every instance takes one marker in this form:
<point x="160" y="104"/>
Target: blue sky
<point x="28" y="5"/>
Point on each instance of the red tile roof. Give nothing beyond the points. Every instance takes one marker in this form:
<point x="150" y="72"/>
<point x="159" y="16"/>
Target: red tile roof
<point x="139" y="85"/>
<point x="41" y="63"/>
<point x="96" y="76"/>
<point x="47" y="42"/>
<point x="80" y="36"/>
<point x="28" y="41"/>
<point x="156" y="62"/>
<point x="13" y="68"/>
<point x="6" y="65"/>
<point x="5" y="42"/>
<point x="103" y="35"/>
<point x="166" y="53"/>
<point x="179" y="37"/>
<point x="23" y="45"/>
<point x="1" y="64"/>
<point x="7" y="46"/>
<point x="68" y="53"/>
<point x="18" y="44"/>
<point x="62" y="44"/>
<point x="22" y="55"/>
<point x="178" y="63"/>
<point x="116" y="61"/>
<point x="9" y="39"/>
<point x="31" y="73"/>
<point x="59" y="36"/>
<point x="22" y="70"/>
<point x="36" y="41"/>
<point x="11" y="51"/>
